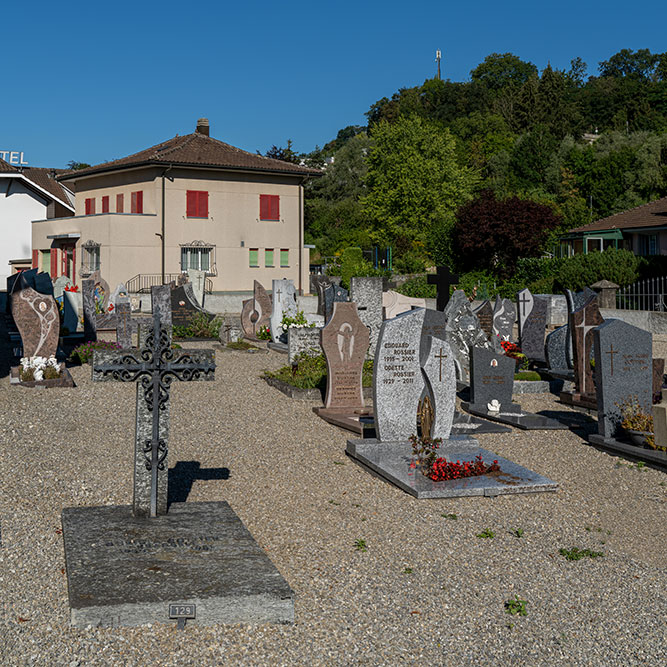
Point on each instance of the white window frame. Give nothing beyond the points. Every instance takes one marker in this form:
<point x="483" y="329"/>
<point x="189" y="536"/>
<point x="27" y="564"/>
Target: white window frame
<point x="90" y="258"/>
<point x="198" y="249"/>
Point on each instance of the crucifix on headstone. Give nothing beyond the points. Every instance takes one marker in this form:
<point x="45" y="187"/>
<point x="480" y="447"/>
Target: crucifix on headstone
<point x="611" y="352"/>
<point x="443" y="280"/>
<point x="522" y="303"/>
<point x="153" y="367"/>
<point x="440" y="356"/>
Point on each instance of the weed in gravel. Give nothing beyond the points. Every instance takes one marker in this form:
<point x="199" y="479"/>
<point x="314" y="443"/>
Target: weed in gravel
<point x="360" y="545"/>
<point x="486" y="533"/>
<point x="407" y="570"/>
<point x="451" y="516"/>
<point x="339" y="463"/>
<point x="333" y="502"/>
<point x="518" y="532"/>
<point x="516" y="607"/>
<point x="577" y="554"/>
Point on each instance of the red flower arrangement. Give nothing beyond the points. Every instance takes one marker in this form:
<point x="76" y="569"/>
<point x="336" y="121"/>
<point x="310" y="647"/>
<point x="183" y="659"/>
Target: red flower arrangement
<point x="513" y="350"/>
<point x="71" y="288"/>
<point x="439" y="469"/>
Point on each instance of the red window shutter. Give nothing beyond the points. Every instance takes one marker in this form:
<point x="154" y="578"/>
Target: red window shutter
<point x="35" y="259"/>
<point x="105" y="204"/>
<point x="191" y="204"/>
<point x="263" y="207"/>
<point x="275" y="207"/>
<point x="140" y="201"/>
<point x="133" y="204"/>
<point x="119" y="203"/>
<point x="90" y="206"/>
<point x="203" y="204"/>
<point x="54" y="262"/>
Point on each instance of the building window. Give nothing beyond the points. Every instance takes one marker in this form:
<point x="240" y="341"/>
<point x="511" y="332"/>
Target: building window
<point x="90" y="257"/>
<point x="268" y="258"/>
<point x="196" y="204"/>
<point x="45" y="260"/>
<point x="138" y="202"/>
<point x="269" y="207"/>
<point x="90" y="206"/>
<point x="593" y="245"/>
<point x="284" y="257"/>
<point x="648" y="244"/>
<point x="120" y="203"/>
<point x="253" y="255"/>
<point x="197" y="257"/>
<point x="105" y="204"/>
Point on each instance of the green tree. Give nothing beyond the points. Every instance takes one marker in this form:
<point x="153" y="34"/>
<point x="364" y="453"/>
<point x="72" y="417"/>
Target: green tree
<point x="500" y="70"/>
<point x="285" y="154"/>
<point x="414" y="182"/>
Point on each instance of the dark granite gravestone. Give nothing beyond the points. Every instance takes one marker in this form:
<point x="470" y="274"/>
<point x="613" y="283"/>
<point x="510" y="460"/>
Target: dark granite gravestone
<point x="443" y="280"/>
<point x="184" y="306"/>
<point x="556" y="349"/>
<point x="345" y="342"/>
<point x="532" y="325"/>
<point x="582" y="323"/>
<point x="504" y="317"/>
<point x="101" y="292"/>
<point x="89" y="317"/>
<point x="658" y="379"/>
<point x="491" y="386"/>
<point x="256" y="312"/>
<point x="485" y="317"/>
<point x="320" y="283"/>
<point x="366" y="292"/>
<point x="124" y="325"/>
<point x="37" y="319"/>
<point x="124" y="568"/>
<point x="333" y="294"/>
<point x="624" y="374"/>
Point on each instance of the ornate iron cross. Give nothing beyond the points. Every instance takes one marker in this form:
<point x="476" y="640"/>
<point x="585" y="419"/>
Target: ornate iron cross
<point x="154" y="367"/>
<point x="443" y="280"/>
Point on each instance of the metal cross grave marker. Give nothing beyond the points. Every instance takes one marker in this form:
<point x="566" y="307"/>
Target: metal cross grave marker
<point x="443" y="280"/>
<point x="154" y="366"/>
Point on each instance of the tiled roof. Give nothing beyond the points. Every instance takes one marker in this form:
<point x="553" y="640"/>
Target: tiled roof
<point x="43" y="177"/>
<point x="653" y="214"/>
<point x="197" y="150"/>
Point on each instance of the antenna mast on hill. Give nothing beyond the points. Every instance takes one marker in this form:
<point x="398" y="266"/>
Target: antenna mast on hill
<point x="438" y="56"/>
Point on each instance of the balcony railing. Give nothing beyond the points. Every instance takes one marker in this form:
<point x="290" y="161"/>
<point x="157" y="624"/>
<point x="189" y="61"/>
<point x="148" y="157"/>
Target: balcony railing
<point x="142" y="282"/>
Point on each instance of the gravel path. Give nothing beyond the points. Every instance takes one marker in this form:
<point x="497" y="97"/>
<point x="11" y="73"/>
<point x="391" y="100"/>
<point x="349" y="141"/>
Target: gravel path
<point x="427" y="590"/>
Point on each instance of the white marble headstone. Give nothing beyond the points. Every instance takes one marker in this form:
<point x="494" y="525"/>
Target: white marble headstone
<point x="284" y="303"/>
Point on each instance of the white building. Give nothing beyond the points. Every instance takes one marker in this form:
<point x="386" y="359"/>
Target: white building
<point x="27" y="194"/>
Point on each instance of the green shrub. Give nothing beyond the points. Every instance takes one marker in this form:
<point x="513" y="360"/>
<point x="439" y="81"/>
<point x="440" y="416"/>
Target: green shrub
<point x="311" y="372"/>
<point x="409" y="262"/>
<point x="201" y="326"/>
<point x="618" y="266"/>
<point x="352" y="263"/>
<point x="417" y="288"/>
<point x="531" y="376"/>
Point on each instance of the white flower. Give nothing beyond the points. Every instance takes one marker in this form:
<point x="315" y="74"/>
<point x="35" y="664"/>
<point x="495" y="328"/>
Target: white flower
<point x="38" y="374"/>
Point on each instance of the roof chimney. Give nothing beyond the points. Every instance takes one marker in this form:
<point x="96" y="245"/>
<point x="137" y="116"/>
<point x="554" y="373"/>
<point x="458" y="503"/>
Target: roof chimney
<point x="202" y="126"/>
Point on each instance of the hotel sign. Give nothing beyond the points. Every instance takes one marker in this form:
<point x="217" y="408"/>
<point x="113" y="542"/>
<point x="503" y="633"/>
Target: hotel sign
<point x="13" y="157"/>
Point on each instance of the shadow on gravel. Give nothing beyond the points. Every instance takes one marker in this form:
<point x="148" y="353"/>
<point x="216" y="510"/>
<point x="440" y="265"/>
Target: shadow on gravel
<point x="183" y="475"/>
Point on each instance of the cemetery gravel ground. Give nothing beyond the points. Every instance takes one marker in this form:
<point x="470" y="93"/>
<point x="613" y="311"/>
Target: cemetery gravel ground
<point x="427" y="590"/>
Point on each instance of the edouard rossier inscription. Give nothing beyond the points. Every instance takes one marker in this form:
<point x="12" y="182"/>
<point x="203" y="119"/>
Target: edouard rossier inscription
<point x="398" y="363"/>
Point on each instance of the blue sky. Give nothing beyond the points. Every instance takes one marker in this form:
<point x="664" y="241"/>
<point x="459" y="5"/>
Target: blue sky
<point x="93" y="81"/>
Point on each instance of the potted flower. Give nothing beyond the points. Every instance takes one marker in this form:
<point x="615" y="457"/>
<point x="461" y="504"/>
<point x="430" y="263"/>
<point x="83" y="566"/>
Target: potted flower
<point x="636" y="424"/>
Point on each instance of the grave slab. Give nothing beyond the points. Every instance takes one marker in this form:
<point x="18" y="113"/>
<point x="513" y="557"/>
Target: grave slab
<point x="391" y="461"/>
<point x="524" y="420"/>
<point x="126" y="571"/>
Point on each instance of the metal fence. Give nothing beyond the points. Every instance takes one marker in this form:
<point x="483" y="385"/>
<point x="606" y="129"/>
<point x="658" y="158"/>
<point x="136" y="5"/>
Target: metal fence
<point x="649" y="294"/>
<point x="143" y="282"/>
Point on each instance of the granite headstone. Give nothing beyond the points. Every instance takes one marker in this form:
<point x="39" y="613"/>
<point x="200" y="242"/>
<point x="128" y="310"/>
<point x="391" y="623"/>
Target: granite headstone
<point x="303" y="340"/>
<point x="37" y="319"/>
<point x="395" y="303"/>
<point x="366" y="292"/>
<point x="256" y="312"/>
<point x="333" y="294"/>
<point x="439" y="372"/>
<point x="345" y="341"/>
<point x="504" y="317"/>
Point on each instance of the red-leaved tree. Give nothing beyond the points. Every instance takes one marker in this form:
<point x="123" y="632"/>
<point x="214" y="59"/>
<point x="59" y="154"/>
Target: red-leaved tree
<point x="493" y="234"/>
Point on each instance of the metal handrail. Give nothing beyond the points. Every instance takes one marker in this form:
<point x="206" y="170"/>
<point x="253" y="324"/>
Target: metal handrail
<point x="142" y="282"/>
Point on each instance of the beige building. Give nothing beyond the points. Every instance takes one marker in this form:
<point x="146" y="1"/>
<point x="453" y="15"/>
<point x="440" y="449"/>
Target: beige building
<point x="190" y="202"/>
